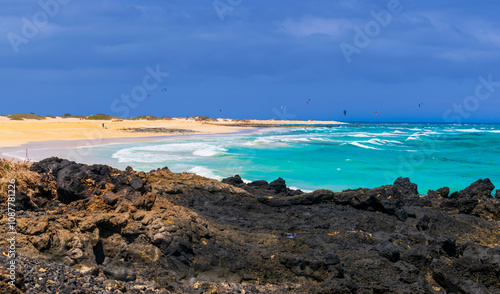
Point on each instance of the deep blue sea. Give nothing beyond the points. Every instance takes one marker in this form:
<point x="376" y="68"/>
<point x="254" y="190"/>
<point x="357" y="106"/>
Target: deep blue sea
<point x="334" y="157"/>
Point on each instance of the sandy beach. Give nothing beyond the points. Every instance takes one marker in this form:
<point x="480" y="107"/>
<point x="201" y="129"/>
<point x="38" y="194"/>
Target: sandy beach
<point x="16" y="133"/>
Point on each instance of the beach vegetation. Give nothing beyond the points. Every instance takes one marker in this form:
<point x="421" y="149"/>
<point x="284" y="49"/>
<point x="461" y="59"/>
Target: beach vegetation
<point x="67" y="115"/>
<point x="151" y="117"/>
<point x="101" y="116"/>
<point x="19" y="171"/>
<point x="202" y="118"/>
<point x="25" y="116"/>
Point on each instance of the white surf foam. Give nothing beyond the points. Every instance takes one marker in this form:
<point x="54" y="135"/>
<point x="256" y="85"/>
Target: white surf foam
<point x="414" y="137"/>
<point x="209" y="151"/>
<point x="473" y="130"/>
<point x="359" y="135"/>
<point x="358" y="144"/>
<point x="204" y="172"/>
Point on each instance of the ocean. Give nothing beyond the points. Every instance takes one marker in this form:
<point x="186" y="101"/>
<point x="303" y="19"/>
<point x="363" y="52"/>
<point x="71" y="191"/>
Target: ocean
<point x="333" y="157"/>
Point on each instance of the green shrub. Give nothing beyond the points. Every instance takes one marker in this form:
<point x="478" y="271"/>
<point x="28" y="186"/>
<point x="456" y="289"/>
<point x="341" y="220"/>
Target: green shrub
<point x="101" y="116"/>
<point x="202" y="118"/>
<point x="23" y="116"/>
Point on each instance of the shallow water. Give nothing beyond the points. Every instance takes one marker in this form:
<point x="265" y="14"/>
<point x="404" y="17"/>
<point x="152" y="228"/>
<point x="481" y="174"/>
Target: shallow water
<point x="336" y="157"/>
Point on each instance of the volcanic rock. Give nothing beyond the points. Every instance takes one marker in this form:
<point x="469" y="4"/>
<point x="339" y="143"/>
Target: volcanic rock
<point x="93" y="228"/>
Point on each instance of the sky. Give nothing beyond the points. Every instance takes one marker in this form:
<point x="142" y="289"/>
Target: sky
<point x="381" y="61"/>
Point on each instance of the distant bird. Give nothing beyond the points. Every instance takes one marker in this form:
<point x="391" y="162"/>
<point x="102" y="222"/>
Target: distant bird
<point x="164" y="90"/>
<point x="345" y="112"/>
<point x="221" y="110"/>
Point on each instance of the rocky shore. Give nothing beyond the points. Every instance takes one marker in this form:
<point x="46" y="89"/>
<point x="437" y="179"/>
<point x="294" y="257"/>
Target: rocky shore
<point x="95" y="229"/>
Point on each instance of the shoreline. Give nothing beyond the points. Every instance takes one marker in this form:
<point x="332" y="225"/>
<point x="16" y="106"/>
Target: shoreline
<point x="29" y="131"/>
<point x="95" y="142"/>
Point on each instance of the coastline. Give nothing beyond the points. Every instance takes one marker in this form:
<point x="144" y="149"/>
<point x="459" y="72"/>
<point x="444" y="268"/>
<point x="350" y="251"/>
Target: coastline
<point x="19" y="133"/>
<point x="94" y="142"/>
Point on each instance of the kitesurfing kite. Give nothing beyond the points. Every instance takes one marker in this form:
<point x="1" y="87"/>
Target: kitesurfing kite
<point x="164" y="90"/>
<point x="149" y="95"/>
<point x="345" y="112"/>
<point x="376" y="112"/>
<point x="420" y="104"/>
<point x="308" y="101"/>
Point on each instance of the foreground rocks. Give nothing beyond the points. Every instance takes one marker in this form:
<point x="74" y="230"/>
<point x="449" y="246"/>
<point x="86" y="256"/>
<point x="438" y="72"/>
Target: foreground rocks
<point x="161" y="232"/>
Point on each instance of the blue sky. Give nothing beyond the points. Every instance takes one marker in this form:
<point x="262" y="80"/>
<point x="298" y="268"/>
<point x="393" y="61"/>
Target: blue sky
<point x="253" y="59"/>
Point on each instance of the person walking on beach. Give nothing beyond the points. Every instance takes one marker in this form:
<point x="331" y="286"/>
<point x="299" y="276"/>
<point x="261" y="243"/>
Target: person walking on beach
<point x="103" y="125"/>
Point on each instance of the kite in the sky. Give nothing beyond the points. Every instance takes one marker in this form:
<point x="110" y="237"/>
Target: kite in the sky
<point x="308" y="101"/>
<point x="164" y="90"/>
<point x="376" y="112"/>
<point x="345" y="112"/>
<point x="420" y="104"/>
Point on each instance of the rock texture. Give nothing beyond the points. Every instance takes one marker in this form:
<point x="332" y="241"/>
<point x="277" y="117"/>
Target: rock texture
<point x="95" y="229"/>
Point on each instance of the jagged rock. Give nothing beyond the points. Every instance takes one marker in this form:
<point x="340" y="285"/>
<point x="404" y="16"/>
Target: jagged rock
<point x="475" y="200"/>
<point x="403" y="187"/>
<point x="161" y="232"/>
<point x="294" y="192"/>
<point x="439" y="193"/>
<point x="388" y="250"/>
<point x="316" y="197"/>
<point x="449" y="283"/>
<point x="443" y="192"/>
<point x="50" y="166"/>
<point x="235" y="181"/>
<point x="110" y="198"/>
<point x="259" y="184"/>
<point x="278" y="185"/>
<point x="119" y="273"/>
<point x="477" y="190"/>
<point x="401" y="214"/>
<point x="263" y="188"/>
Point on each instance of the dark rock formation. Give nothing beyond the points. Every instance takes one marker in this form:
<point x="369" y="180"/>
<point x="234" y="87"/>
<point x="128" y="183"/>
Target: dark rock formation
<point x="235" y="181"/>
<point x="475" y="200"/>
<point x="263" y="188"/>
<point x="94" y="229"/>
<point x="481" y="189"/>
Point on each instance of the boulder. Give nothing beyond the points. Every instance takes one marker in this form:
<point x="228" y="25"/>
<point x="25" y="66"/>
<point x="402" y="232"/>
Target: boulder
<point x="258" y="184"/>
<point x="480" y="189"/>
<point x="402" y="187"/>
<point x="388" y="250"/>
<point x="278" y="185"/>
<point x="235" y="181"/>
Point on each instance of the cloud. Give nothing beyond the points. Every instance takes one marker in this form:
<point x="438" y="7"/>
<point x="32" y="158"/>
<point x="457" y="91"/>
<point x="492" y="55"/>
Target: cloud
<point x="104" y="46"/>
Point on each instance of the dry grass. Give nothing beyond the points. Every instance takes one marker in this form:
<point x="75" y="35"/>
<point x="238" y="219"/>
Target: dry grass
<point x="26" y="180"/>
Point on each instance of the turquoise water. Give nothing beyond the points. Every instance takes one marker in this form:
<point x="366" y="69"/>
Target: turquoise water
<point x="336" y="157"/>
